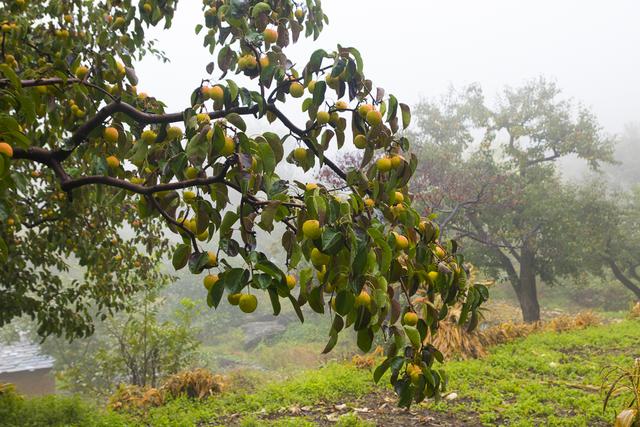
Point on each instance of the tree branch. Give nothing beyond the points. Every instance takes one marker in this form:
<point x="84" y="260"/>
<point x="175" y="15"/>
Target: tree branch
<point x="54" y="158"/>
<point x="617" y="272"/>
<point x="304" y="135"/>
<point x="170" y="220"/>
<point x="504" y="260"/>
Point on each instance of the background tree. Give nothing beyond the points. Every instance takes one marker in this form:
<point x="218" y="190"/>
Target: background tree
<point x="136" y="348"/>
<point x="84" y="156"/>
<point x="504" y="193"/>
<point x="610" y="233"/>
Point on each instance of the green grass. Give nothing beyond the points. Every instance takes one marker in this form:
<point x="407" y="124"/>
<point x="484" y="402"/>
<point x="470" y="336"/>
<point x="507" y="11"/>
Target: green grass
<point x="547" y="378"/>
<point x="327" y="384"/>
<point x="55" y="411"/>
<point x="330" y="383"/>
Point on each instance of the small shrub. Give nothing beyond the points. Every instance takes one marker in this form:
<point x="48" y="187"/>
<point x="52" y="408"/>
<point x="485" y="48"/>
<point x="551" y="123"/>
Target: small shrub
<point x="10" y="402"/>
<point x="52" y="410"/>
<point x="132" y="398"/>
<point x="569" y="323"/>
<point x="455" y="341"/>
<point x="367" y="361"/>
<point x="634" y="313"/>
<point x="195" y="384"/>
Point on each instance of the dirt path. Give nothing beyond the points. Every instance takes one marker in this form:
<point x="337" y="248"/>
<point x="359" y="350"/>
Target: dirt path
<point x="378" y="407"/>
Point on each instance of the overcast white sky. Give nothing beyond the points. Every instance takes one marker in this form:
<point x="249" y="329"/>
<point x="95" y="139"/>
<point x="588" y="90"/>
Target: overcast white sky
<point x="418" y="48"/>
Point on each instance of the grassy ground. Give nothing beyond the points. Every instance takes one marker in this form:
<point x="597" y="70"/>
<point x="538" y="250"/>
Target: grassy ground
<point x="545" y="379"/>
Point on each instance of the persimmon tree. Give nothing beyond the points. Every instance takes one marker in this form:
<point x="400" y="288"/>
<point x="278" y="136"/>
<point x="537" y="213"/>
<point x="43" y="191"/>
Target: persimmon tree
<point x="86" y="156"/>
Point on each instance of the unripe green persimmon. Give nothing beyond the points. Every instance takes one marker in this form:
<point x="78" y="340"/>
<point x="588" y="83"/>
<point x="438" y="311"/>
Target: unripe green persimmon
<point x="383" y="164"/>
<point x="323" y="117"/>
<point x="296" y="90"/>
<point x="248" y="303"/>
<point x="374" y="118"/>
<point x="360" y="141"/>
<point x="300" y="154"/>
<point x="311" y="229"/>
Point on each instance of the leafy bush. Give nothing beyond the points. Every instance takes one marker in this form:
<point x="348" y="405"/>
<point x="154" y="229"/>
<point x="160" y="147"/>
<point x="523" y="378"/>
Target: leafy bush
<point x="10" y="401"/>
<point x="52" y="411"/>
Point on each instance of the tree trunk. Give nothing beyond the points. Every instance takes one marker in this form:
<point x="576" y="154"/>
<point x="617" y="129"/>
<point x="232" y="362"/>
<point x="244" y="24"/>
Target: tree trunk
<point x="526" y="289"/>
<point x="624" y="279"/>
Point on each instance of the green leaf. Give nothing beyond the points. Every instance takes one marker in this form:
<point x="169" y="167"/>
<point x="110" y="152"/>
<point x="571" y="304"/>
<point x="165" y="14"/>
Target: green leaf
<point x="296" y="308"/>
<point x="381" y="242"/>
<point x="357" y="57"/>
<point x="413" y="335"/>
<point x="181" y="256"/>
<point x="316" y="60"/>
<point x="384" y="366"/>
<point x="275" y="301"/>
<point x="393" y="108"/>
<point x="197" y="148"/>
<point x="333" y="340"/>
<point x="406" y="115"/>
<point x="268" y="158"/>
<point x="215" y="295"/>
<point x="316" y="301"/>
<point x="237" y="121"/>
<point x="270" y="268"/>
<point x="233" y="89"/>
<point x="230" y="218"/>
<point x="268" y="215"/>
<point x="12" y="76"/>
<point x="259" y="8"/>
<point x="4" y="250"/>
<point x="344" y="302"/>
<point x="331" y="241"/>
<point x="276" y="145"/>
<point x="365" y="339"/>
<point x="318" y="93"/>
<point x="235" y="279"/>
<point x="338" y="67"/>
<point x="198" y="262"/>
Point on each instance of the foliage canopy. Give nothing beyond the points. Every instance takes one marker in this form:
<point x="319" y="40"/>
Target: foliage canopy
<point x="88" y="156"/>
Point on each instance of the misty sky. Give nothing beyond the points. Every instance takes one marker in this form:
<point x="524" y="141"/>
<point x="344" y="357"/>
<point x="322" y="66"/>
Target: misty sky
<point x="418" y="48"/>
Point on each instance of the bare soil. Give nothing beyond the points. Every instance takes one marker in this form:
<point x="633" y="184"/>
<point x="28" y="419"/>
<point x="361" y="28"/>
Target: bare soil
<point x="378" y="407"/>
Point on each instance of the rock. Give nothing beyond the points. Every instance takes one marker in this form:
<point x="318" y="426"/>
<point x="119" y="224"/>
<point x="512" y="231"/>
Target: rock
<point x="451" y="396"/>
<point x="256" y="332"/>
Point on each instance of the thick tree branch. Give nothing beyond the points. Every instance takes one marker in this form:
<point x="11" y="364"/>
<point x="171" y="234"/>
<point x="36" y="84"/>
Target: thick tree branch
<point x="141" y="189"/>
<point x="504" y="259"/>
<point x="141" y="117"/>
<point x="42" y="82"/>
<point x="549" y="158"/>
<point x="53" y="159"/>
<point x="619" y="274"/>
